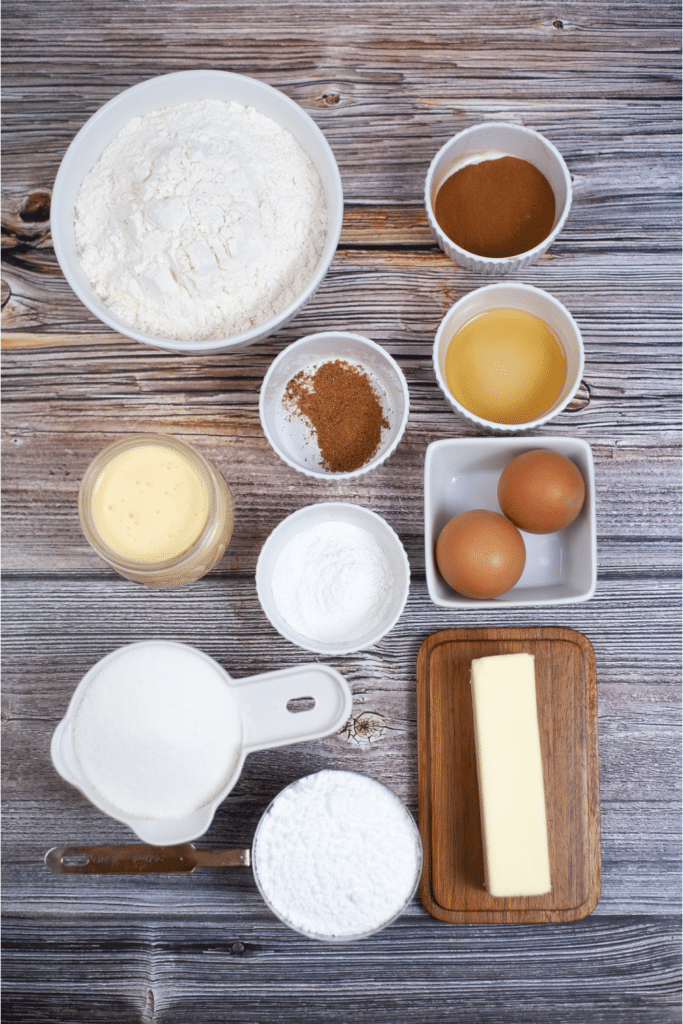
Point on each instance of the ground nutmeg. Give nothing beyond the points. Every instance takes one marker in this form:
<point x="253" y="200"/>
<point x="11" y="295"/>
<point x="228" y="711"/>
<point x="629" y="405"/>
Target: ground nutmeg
<point x="344" y="412"/>
<point x="496" y="208"/>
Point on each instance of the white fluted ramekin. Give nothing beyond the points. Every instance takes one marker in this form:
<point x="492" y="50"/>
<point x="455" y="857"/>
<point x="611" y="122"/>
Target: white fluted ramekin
<point x="512" y="295"/>
<point x="499" y="138"/>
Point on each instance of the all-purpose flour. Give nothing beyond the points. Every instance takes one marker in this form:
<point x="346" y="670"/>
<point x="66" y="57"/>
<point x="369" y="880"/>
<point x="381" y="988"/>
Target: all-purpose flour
<point x="200" y="221"/>
<point x="332" y="583"/>
<point x="337" y="854"/>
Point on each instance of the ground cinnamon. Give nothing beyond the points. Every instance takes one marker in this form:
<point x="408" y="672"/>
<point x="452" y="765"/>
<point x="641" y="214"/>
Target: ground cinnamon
<point x="496" y="208"/>
<point x="344" y="412"/>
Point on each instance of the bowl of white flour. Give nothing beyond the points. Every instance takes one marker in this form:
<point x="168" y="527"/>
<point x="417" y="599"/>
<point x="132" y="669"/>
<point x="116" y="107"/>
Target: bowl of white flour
<point x="337" y="856"/>
<point x="333" y="578"/>
<point x="197" y="211"/>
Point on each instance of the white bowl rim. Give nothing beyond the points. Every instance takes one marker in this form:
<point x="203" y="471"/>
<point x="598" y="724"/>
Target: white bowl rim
<point x="313" y="645"/>
<point x="379" y="458"/>
<point x="236" y="341"/>
<point x="528" y="254"/>
<point x="508" y="428"/>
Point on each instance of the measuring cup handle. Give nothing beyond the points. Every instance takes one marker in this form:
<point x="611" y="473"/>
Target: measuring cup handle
<point x="266" y="720"/>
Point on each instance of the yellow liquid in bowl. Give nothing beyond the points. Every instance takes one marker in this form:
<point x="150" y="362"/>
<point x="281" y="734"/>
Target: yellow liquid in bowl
<point x="149" y="504"/>
<point x="506" y="366"/>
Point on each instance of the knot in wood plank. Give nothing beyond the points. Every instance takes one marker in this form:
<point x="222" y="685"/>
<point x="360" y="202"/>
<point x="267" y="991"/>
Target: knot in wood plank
<point x="36" y="207"/>
<point x="364" y="729"/>
<point x="581" y="399"/>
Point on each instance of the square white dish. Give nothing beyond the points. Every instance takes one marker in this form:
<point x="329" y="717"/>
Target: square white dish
<point x="462" y="474"/>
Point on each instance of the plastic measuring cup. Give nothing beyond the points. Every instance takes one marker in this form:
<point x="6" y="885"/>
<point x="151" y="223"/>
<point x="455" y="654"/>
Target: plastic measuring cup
<point x="266" y="722"/>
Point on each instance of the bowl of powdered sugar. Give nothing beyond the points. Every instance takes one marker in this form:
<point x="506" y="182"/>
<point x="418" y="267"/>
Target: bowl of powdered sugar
<point x="197" y="211"/>
<point x="337" y="856"/>
<point x="333" y="578"/>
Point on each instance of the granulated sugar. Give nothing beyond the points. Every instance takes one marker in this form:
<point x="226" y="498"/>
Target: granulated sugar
<point x="158" y="732"/>
<point x="337" y="855"/>
<point x="200" y="221"/>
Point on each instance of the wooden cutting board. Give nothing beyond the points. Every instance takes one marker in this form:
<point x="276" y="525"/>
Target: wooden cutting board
<point x="452" y="887"/>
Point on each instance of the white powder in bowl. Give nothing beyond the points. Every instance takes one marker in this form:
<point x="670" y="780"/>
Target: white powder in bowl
<point x="337" y="855"/>
<point x="333" y="583"/>
<point x="200" y="221"/>
<point x="158" y="732"/>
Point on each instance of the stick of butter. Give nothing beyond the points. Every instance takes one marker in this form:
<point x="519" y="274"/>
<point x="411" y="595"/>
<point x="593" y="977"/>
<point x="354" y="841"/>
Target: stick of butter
<point x="510" y="774"/>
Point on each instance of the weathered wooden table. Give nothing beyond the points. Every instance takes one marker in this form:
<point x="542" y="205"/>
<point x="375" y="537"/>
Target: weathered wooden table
<point x="388" y="83"/>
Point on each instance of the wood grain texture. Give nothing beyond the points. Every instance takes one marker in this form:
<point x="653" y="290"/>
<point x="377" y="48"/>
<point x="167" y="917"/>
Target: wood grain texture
<point x="449" y="809"/>
<point x="247" y="968"/>
<point x="388" y="83"/>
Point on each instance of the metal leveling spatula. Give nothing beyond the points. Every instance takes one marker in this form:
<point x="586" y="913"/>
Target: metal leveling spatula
<point x="136" y="859"/>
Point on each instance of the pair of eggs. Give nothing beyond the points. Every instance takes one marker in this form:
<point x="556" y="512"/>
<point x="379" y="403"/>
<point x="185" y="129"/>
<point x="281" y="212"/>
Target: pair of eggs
<point x="481" y="554"/>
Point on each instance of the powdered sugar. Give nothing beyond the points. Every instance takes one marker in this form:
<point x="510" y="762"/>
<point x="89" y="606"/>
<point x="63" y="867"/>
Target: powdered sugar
<point x="158" y="732"/>
<point x="333" y="583"/>
<point x="337" y="855"/>
<point x="200" y="221"/>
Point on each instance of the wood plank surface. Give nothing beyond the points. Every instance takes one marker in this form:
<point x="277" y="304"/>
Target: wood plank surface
<point x="388" y="83"/>
<point x="246" y="971"/>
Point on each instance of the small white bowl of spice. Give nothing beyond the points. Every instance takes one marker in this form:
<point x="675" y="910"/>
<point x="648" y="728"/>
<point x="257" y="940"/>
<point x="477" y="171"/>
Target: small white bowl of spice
<point x="197" y="211"/>
<point x="334" y="405"/>
<point x="333" y="578"/>
<point x="497" y="196"/>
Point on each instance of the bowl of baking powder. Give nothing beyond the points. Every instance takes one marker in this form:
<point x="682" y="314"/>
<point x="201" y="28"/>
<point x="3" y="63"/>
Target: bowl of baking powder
<point x="333" y="578"/>
<point x="197" y="211"/>
<point x="337" y="856"/>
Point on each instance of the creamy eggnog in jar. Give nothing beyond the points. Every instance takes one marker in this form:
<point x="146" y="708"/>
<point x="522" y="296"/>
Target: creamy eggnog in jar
<point x="156" y="510"/>
<point x="149" y="503"/>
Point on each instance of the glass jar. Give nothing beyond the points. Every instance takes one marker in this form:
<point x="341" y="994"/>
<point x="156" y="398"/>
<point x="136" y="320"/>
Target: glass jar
<point x="158" y="568"/>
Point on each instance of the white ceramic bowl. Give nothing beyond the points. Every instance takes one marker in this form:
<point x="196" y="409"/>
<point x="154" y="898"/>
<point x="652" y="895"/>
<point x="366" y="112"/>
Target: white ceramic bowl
<point x="289" y="434"/>
<point x="463" y="473"/>
<point x="499" y="138"/>
<point x="170" y="90"/>
<point x="512" y="295"/>
<point x="327" y="512"/>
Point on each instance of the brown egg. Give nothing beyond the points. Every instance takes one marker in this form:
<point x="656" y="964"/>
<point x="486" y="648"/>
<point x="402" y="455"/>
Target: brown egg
<point x="480" y="554"/>
<point x="541" y="491"/>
